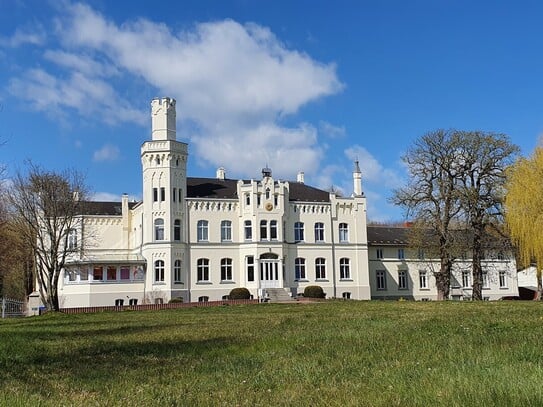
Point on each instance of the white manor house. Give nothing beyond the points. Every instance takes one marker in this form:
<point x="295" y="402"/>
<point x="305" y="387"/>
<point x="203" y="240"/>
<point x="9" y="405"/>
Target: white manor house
<point x="198" y="238"/>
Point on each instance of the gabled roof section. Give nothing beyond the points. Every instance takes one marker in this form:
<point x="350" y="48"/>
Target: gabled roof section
<point x="103" y="208"/>
<point x="387" y="236"/>
<point x="227" y="189"/>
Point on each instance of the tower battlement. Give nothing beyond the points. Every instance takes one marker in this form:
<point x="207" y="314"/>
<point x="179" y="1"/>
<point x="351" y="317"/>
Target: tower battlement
<point x="163" y="119"/>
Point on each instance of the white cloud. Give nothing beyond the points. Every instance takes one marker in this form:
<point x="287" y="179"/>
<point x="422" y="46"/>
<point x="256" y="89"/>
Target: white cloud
<point x="21" y="36"/>
<point x="108" y="152"/>
<point x="331" y="131"/>
<point x="372" y="170"/>
<point x="81" y="63"/>
<point x="109" y="197"/>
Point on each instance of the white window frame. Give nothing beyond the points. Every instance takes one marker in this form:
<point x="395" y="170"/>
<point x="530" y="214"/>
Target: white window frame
<point x="159" y="229"/>
<point x="344" y="268"/>
<point x="423" y="279"/>
<point x="202" y="270"/>
<point x="226" y="269"/>
<point x="159" y="271"/>
<point x="298" y="231"/>
<point x="226" y="231"/>
<point x="299" y="269"/>
<point x="502" y="277"/>
<point x="248" y="230"/>
<point x="466" y="279"/>
<point x="343" y="232"/>
<point x="320" y="268"/>
<point x="319" y="232"/>
<point x="403" y="282"/>
<point x="202" y="230"/>
<point x="177" y="230"/>
<point x="177" y="271"/>
<point x="379" y="254"/>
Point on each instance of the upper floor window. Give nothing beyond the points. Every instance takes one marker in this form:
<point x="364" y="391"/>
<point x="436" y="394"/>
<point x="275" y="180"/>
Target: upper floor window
<point x="299" y="231"/>
<point x="319" y="232"/>
<point x="401" y="254"/>
<point x="177" y="230"/>
<point x="202" y="231"/>
<point x="98" y="273"/>
<point x="275" y="200"/>
<point x="226" y="231"/>
<point x="159" y="229"/>
<point x="226" y="269"/>
<point x="299" y="269"/>
<point x="258" y="200"/>
<point x="248" y="230"/>
<point x="202" y="270"/>
<point x="343" y="232"/>
<point x="421" y="254"/>
<point x="381" y="279"/>
<point x="273" y="230"/>
<point x="72" y="239"/>
<point x="250" y="265"/>
<point x="247" y="199"/>
<point x="155" y="194"/>
<point x="345" y="269"/>
<point x="466" y="279"/>
<point x="263" y="229"/>
<point x="159" y="270"/>
<point x="402" y="280"/>
<point x="177" y="277"/>
<point x="174" y="194"/>
<point x="485" y="280"/>
<point x="162" y="194"/>
<point x="320" y="268"/>
<point x="379" y="253"/>
<point x="267" y="193"/>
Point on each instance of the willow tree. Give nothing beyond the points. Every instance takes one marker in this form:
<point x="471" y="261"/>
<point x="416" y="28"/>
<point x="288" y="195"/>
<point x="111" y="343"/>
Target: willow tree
<point x="47" y="205"/>
<point x="524" y="211"/>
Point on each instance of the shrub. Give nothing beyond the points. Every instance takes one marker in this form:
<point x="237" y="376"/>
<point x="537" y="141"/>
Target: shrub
<point x="176" y="299"/>
<point x="240" y="293"/>
<point x="314" y="291"/>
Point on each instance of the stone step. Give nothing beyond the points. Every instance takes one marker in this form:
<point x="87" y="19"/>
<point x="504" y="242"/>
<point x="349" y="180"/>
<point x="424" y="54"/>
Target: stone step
<point x="278" y="295"/>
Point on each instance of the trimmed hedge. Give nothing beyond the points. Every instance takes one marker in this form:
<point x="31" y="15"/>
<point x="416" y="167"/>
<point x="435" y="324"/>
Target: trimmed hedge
<point x="175" y="299"/>
<point x="240" y="293"/>
<point x="314" y="291"/>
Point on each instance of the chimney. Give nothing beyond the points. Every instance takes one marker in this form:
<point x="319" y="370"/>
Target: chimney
<point x="300" y="177"/>
<point x="221" y="173"/>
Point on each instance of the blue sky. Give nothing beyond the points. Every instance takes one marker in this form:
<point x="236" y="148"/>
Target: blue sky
<point x="298" y="85"/>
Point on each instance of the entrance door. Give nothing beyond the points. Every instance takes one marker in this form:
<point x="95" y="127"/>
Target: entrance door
<point x="269" y="274"/>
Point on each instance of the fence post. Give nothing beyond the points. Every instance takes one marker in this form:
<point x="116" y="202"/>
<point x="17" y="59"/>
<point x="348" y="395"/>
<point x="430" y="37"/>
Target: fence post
<point x="3" y="307"/>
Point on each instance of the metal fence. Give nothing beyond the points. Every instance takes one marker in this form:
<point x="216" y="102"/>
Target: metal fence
<point x="12" y="308"/>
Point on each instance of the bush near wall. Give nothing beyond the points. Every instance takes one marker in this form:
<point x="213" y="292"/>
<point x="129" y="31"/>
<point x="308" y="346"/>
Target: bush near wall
<point x="314" y="291"/>
<point x="240" y="293"/>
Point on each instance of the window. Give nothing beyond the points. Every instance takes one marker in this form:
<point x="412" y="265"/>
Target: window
<point x="344" y="269"/>
<point x="466" y="279"/>
<point x="263" y="229"/>
<point x="379" y="253"/>
<point x="247" y="199"/>
<point x="159" y="229"/>
<point x="155" y="194"/>
<point x="72" y="239"/>
<point x="202" y="270"/>
<point x="84" y="274"/>
<point x="275" y="200"/>
<point x="226" y="269"/>
<point x="226" y="231"/>
<point x="177" y="230"/>
<point x="299" y="232"/>
<point x="250" y="265"/>
<point x="111" y="273"/>
<point x="381" y="279"/>
<point x="159" y="271"/>
<point x="500" y="255"/>
<point x="177" y="278"/>
<point x="71" y="275"/>
<point x="258" y="200"/>
<point x="421" y="254"/>
<point x="180" y="193"/>
<point x="319" y="232"/>
<point x="273" y="230"/>
<point x="133" y="301"/>
<point x="162" y="194"/>
<point x="125" y="273"/>
<point x="423" y="279"/>
<point x="226" y="297"/>
<point x="320" y="268"/>
<point x="202" y="231"/>
<point x="401" y="254"/>
<point x="402" y="280"/>
<point x="98" y="273"/>
<point x="159" y="300"/>
<point x="203" y="298"/>
<point x="267" y="193"/>
<point x="485" y="280"/>
<point x="343" y="232"/>
<point x="346" y="295"/>
<point x="299" y="269"/>
<point x="248" y="230"/>
<point x="174" y="194"/>
<point x="503" y="279"/>
<point x="119" y="302"/>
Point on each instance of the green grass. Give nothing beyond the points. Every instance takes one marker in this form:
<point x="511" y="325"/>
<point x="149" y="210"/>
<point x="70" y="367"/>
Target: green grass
<point x="332" y="353"/>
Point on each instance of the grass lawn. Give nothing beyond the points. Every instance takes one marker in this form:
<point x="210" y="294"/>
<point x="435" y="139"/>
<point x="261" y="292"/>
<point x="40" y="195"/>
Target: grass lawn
<point x="334" y="353"/>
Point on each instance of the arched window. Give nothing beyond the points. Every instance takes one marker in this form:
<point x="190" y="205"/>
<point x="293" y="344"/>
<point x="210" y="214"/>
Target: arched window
<point x="202" y="231"/>
<point x="343" y="232"/>
<point x="159" y="271"/>
<point x="177" y="230"/>
<point x="202" y="270"/>
<point x="226" y="231"/>
<point x="320" y="268"/>
<point x="177" y="278"/>
<point x="159" y="229"/>
<point x="345" y="269"/>
<point x="226" y="269"/>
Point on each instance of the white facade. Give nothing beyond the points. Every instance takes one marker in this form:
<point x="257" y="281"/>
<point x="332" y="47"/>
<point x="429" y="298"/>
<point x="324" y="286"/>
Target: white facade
<point x="197" y="238"/>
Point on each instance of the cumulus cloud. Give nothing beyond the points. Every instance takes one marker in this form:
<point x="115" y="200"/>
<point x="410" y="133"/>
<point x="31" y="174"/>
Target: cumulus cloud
<point x="21" y="36"/>
<point x="108" y="152"/>
<point x="372" y="170"/>
<point x="331" y="131"/>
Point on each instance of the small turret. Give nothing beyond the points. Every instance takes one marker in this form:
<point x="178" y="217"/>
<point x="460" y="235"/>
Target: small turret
<point x="300" y="177"/>
<point x="163" y="119"/>
<point x="357" y="180"/>
<point x="266" y="172"/>
<point x="221" y="173"/>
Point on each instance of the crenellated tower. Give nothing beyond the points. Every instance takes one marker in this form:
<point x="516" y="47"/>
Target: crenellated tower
<point x="164" y="161"/>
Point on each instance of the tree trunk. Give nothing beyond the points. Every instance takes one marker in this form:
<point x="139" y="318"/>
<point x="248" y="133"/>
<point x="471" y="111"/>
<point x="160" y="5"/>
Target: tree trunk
<point x="539" y="293"/>
<point x="477" y="270"/>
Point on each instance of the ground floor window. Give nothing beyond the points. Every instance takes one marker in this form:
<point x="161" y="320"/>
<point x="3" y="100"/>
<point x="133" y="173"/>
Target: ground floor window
<point x="203" y="298"/>
<point x="299" y="269"/>
<point x="250" y="264"/>
<point x="202" y="270"/>
<point x="133" y="301"/>
<point x="346" y="295"/>
<point x="503" y="279"/>
<point x="423" y="279"/>
<point x="402" y="280"/>
<point x="226" y="269"/>
<point x="119" y="302"/>
<point x="344" y="269"/>
<point x="177" y="277"/>
<point x="381" y="279"/>
<point x="320" y="268"/>
<point x="159" y="271"/>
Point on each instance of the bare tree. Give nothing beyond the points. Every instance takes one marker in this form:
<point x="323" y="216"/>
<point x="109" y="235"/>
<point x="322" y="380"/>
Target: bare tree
<point x="482" y="159"/>
<point x="47" y="205"/>
<point x="431" y="196"/>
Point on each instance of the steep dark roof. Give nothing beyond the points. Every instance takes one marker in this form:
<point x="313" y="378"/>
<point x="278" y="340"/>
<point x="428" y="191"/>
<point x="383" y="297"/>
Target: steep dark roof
<point x="387" y="235"/>
<point x="103" y="208"/>
<point x="227" y="188"/>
